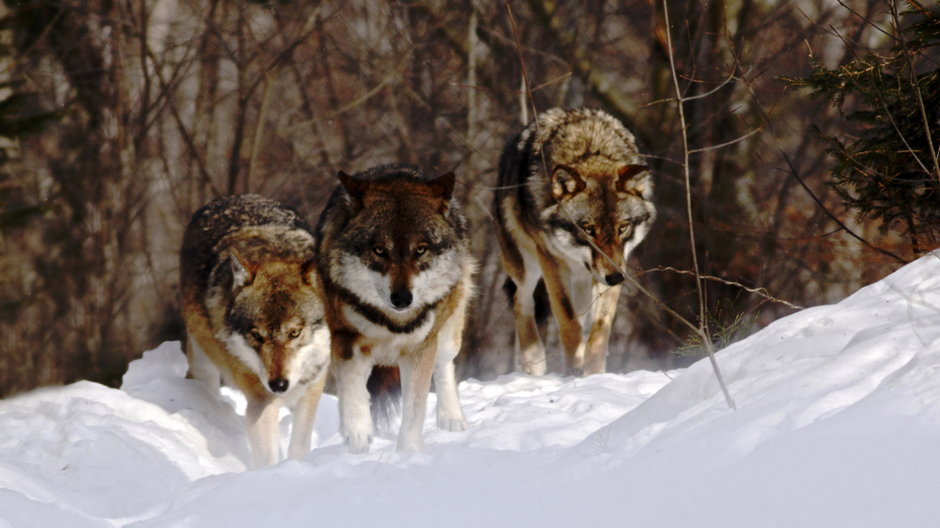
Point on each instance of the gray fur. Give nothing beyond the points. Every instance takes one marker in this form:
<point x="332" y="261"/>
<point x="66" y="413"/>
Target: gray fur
<point x="573" y="199"/>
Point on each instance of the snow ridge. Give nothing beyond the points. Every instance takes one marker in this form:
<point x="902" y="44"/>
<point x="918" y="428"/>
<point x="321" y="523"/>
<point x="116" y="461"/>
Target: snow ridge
<point x="838" y="423"/>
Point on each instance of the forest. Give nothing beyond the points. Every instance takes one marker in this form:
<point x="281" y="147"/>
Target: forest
<point x="798" y="140"/>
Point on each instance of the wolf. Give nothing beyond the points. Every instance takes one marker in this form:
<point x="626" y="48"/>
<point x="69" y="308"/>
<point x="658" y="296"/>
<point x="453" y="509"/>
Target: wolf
<point x="573" y="199"/>
<point x="254" y="315"/>
<point x="394" y="260"/>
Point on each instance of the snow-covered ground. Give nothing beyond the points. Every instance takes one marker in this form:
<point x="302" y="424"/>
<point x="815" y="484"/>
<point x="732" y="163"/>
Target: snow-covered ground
<point x="838" y="424"/>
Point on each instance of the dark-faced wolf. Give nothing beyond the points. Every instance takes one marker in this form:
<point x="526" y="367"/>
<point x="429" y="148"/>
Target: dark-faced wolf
<point x="254" y="315"/>
<point x="394" y="259"/>
<point x="573" y="199"/>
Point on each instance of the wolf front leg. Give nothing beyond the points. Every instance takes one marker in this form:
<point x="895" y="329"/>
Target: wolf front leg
<point x="563" y="309"/>
<point x="204" y="351"/>
<point x="263" y="432"/>
<point x="200" y="366"/>
<point x="261" y="415"/>
<point x="416" y="370"/>
<point x="604" y="309"/>
<point x="449" y="413"/>
<point x="304" y="413"/>
<point x="529" y="347"/>
<point x="351" y="370"/>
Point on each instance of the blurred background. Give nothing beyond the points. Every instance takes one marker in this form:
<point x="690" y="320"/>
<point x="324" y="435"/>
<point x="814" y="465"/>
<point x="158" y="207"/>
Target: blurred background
<point x="811" y="128"/>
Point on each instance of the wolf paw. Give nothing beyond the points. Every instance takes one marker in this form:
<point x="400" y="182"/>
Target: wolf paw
<point x="454" y="424"/>
<point x="358" y="442"/>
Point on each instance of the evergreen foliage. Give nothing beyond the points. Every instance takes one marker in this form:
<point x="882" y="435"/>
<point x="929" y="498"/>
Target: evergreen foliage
<point x="888" y="169"/>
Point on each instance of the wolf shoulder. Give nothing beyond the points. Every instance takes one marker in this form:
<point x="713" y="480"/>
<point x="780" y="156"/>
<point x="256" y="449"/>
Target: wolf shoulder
<point x="255" y="226"/>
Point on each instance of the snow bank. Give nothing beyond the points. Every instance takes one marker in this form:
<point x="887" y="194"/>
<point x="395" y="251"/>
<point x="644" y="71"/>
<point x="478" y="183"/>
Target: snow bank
<point x="839" y="416"/>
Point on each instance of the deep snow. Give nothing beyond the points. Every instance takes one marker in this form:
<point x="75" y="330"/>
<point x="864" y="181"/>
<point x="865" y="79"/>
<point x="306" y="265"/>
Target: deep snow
<point x="838" y="425"/>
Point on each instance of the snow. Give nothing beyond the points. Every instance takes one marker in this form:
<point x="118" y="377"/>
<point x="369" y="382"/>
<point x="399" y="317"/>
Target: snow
<point x="838" y="424"/>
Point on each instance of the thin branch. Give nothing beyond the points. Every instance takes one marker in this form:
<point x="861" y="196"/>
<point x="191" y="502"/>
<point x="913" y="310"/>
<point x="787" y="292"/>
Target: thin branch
<point x="701" y="329"/>
<point x="867" y="20"/>
<point x="472" y="41"/>
<point x="721" y="85"/>
<point x="561" y="78"/>
<point x="916" y="88"/>
<point x="726" y="143"/>
<point x="884" y="104"/>
<point x="796" y="175"/>
<point x="683" y="126"/>
<point x="762" y="292"/>
<point x="597" y="80"/>
<point x="181" y="127"/>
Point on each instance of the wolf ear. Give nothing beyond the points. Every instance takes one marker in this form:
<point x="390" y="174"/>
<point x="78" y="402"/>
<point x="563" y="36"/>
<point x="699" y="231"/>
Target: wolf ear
<point x="308" y="272"/>
<point x="355" y="188"/>
<point x="625" y="181"/>
<point x="565" y="183"/>
<point x="443" y="186"/>
<point x="242" y="272"/>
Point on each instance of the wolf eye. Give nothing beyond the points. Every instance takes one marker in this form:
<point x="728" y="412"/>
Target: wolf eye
<point x="256" y="335"/>
<point x="294" y="333"/>
<point x="589" y="230"/>
<point x="379" y="250"/>
<point x="421" y="250"/>
<point x="623" y="228"/>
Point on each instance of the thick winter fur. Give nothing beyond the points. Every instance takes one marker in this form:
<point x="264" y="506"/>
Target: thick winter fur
<point x="396" y="269"/>
<point x="574" y="197"/>
<point x="254" y="315"/>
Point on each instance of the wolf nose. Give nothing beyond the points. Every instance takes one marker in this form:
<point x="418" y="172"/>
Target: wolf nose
<point x="401" y="298"/>
<point x="614" y="278"/>
<point x="278" y="385"/>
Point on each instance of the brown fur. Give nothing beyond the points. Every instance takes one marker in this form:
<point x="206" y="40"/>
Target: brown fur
<point x="251" y="304"/>
<point x="396" y="272"/>
<point x="573" y="198"/>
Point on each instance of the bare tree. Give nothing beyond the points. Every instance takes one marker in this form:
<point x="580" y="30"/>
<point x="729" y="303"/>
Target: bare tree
<point x="165" y="105"/>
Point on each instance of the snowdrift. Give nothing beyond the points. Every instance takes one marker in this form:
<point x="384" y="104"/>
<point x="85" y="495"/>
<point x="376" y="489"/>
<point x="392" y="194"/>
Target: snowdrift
<point x="838" y="425"/>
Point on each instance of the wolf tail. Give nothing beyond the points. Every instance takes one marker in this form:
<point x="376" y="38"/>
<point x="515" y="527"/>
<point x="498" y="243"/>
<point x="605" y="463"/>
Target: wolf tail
<point x="385" y="389"/>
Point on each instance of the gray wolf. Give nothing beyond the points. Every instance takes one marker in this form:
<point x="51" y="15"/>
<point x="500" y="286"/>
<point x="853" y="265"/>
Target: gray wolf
<point x="573" y="199"/>
<point x="393" y="256"/>
<point x="254" y="316"/>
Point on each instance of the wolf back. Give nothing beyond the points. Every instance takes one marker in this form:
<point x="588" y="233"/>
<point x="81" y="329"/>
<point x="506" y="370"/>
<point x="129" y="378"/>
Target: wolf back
<point x="253" y="314"/>
<point x="394" y="259"/>
<point x="573" y="199"/>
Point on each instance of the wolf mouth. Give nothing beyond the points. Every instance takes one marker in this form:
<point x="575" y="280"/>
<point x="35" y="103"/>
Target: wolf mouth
<point x="377" y="316"/>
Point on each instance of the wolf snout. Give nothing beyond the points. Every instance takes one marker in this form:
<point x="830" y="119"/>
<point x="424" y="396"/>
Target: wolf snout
<point x="614" y="278"/>
<point x="279" y="385"/>
<point x="401" y="299"/>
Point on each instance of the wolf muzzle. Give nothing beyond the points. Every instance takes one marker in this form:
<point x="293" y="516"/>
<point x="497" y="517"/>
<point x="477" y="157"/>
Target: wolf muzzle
<point x="401" y="298"/>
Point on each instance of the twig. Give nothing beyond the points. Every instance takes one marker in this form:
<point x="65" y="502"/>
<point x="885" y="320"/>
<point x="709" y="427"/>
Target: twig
<point x="762" y="292"/>
<point x="916" y="88"/>
<point x="796" y="175"/>
<point x="884" y="104"/>
<point x="726" y="143"/>
<point x="184" y="132"/>
<point x="701" y="330"/>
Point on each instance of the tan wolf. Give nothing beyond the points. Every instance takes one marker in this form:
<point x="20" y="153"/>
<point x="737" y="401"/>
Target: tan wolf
<point x="254" y="316"/>
<point x="394" y="259"/>
<point x="573" y="199"/>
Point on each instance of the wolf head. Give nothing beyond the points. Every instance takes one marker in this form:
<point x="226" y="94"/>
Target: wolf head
<point x="594" y="187"/>
<point x="400" y="250"/>
<point x="274" y="319"/>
